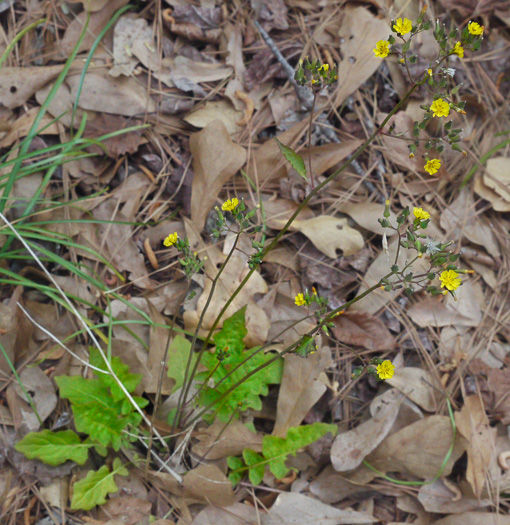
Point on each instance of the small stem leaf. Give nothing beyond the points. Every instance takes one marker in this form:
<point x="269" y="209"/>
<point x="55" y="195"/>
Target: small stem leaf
<point x="295" y="160"/>
<point x="54" y="448"/>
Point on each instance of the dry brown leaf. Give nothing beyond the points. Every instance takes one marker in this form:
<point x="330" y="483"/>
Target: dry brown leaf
<point x="218" y="441"/>
<point x="97" y="22"/>
<point x="215" y="110"/>
<point x="475" y="518"/>
<point x="236" y="514"/>
<point x="18" y="84"/>
<point x="297" y="509"/>
<point x="460" y="219"/>
<point x="187" y="73"/>
<point x="215" y="160"/>
<point x="92" y="5"/>
<point x="361" y="329"/>
<point x="128" y="510"/>
<point x="279" y="211"/>
<point x="419" y="449"/>
<point x="207" y="483"/>
<point x="359" y="63"/>
<point x="366" y="215"/>
<point x="42" y="392"/>
<point x="444" y="311"/>
<point x="22" y="125"/>
<point x="329" y="234"/>
<point x="498" y="177"/>
<point x="350" y="448"/>
<point x="418" y="385"/>
<point x="471" y="8"/>
<point x="473" y="424"/>
<point x="498" y="203"/>
<point x="437" y="497"/>
<point x="300" y="389"/>
<point x="117" y="96"/>
<point x="329" y="155"/>
<point x="127" y="31"/>
<point x="8" y="332"/>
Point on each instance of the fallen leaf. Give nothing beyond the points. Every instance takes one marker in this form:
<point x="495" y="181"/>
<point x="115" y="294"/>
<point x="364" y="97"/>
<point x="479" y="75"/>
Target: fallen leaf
<point x="297" y="509"/>
<point x="437" y="497"/>
<point x="18" y="84"/>
<point x="117" y="96"/>
<point x="207" y="483"/>
<point x="444" y="311"/>
<point x="128" y="510"/>
<point x="498" y="203"/>
<point x="460" y="219"/>
<point x="21" y="126"/>
<point x="187" y="73"/>
<point x="127" y="31"/>
<point x="350" y="448"/>
<point x="473" y="424"/>
<point x="279" y="211"/>
<point x="236" y="514"/>
<point x="329" y="234"/>
<point x="418" y="385"/>
<point x="366" y="215"/>
<point x="217" y="441"/>
<point x="358" y="63"/>
<point x="300" y="389"/>
<point x="215" y="110"/>
<point x="362" y="329"/>
<point x="419" y="449"/>
<point x="215" y="160"/>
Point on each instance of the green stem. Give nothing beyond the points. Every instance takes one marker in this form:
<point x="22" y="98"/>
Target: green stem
<point x="17" y="38"/>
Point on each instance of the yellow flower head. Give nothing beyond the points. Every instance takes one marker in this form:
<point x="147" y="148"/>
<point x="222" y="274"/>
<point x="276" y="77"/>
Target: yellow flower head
<point x="475" y="29"/>
<point x="230" y="204"/>
<point x="411" y="155"/>
<point x="324" y="67"/>
<point x="386" y="370"/>
<point x="171" y="240"/>
<point x="458" y="50"/>
<point x="432" y="166"/>
<point x="382" y="49"/>
<point x="403" y="27"/>
<point x="440" y="108"/>
<point x="450" y="280"/>
<point x="421" y="214"/>
<point x="429" y="71"/>
<point x="300" y="299"/>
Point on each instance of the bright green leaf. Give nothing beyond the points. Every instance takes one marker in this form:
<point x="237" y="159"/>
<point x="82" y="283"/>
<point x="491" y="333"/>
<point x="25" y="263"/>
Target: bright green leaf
<point x="230" y="338"/>
<point x="256" y="464"/>
<point x="178" y="354"/>
<point x="276" y="449"/>
<point x="295" y="160"/>
<point x="95" y="411"/>
<point x="129" y="380"/>
<point x="93" y="489"/>
<point x="54" y="448"/>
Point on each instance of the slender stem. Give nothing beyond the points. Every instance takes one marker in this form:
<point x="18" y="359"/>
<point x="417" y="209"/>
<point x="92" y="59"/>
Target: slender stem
<point x="310" y="140"/>
<point x="305" y="201"/>
<point x="187" y="383"/>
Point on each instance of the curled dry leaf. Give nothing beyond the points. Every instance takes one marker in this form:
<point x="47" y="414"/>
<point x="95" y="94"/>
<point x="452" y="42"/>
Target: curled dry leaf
<point x="494" y="184"/>
<point x="362" y="329"/>
<point x="350" y="448"/>
<point x="18" y="84"/>
<point x="329" y="234"/>
<point x="419" y="449"/>
<point x="473" y="424"/>
<point x="418" y="385"/>
<point x="437" y="497"/>
<point x="300" y="389"/>
<point x="215" y="160"/>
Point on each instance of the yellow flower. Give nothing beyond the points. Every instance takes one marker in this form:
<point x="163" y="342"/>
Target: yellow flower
<point x="432" y="166"/>
<point x="171" y="240"/>
<point x="411" y="155"/>
<point x="450" y="280"/>
<point x="403" y="27"/>
<point x="475" y="29"/>
<point x="324" y="67"/>
<point x="382" y="49"/>
<point x="458" y="50"/>
<point x="440" y="108"/>
<point x="421" y="214"/>
<point x="429" y="71"/>
<point x="230" y="204"/>
<point x="300" y="299"/>
<point x="386" y="370"/>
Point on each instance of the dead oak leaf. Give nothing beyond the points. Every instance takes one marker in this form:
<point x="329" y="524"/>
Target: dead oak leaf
<point x="215" y="160"/>
<point x="362" y="329"/>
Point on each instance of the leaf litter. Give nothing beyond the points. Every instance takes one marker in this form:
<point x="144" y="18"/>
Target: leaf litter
<point x="211" y="144"/>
